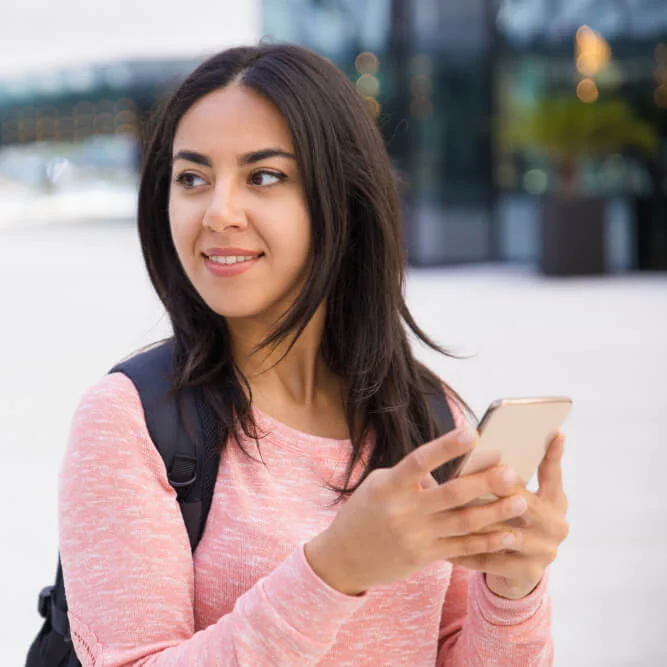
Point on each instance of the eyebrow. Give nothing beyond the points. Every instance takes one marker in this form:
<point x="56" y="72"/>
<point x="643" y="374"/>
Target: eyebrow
<point x="245" y="159"/>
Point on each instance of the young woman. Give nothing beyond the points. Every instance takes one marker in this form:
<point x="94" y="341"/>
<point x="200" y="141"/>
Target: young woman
<point x="270" y="227"/>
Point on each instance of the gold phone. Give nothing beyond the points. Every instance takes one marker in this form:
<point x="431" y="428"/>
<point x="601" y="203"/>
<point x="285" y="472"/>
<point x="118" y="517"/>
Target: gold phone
<point x="516" y="432"/>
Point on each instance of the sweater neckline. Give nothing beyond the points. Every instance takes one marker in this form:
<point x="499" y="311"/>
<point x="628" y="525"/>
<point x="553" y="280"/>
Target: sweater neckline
<point x="298" y="440"/>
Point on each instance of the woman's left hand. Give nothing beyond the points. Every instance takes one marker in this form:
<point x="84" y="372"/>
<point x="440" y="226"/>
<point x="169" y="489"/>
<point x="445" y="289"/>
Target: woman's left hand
<point x="539" y="532"/>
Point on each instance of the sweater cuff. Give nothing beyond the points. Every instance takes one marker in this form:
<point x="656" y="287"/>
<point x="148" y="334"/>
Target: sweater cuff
<point x="320" y="610"/>
<point x="501" y="611"/>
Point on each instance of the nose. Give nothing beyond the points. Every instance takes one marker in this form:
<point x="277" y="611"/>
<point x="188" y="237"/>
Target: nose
<point x="225" y="209"/>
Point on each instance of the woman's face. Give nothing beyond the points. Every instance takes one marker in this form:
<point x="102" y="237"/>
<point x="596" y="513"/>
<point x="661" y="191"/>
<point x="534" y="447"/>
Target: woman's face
<point x="237" y="211"/>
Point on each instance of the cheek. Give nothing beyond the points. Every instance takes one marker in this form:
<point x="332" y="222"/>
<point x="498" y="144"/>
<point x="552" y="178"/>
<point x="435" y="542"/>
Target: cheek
<point x="290" y="237"/>
<point x="184" y="227"/>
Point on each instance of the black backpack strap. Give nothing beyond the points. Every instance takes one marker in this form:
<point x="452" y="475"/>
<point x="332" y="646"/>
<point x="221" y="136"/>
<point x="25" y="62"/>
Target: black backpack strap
<point x="183" y="431"/>
<point x="444" y="419"/>
<point x="441" y="412"/>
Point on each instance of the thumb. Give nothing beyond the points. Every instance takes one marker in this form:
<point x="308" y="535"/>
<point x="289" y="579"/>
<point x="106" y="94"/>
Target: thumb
<point x="550" y="474"/>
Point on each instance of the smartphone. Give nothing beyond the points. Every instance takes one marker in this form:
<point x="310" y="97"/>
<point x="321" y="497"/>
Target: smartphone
<point x="516" y="432"/>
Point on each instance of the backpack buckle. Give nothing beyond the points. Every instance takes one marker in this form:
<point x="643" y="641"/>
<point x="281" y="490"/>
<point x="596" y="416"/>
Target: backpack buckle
<point x="183" y="471"/>
<point x="44" y="603"/>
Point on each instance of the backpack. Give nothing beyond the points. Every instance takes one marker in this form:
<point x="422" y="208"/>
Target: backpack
<point x="184" y="433"/>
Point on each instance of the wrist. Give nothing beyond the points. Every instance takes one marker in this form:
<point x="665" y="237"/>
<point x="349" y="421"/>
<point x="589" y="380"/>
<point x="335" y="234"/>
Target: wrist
<point x="504" y="588"/>
<point x="322" y="558"/>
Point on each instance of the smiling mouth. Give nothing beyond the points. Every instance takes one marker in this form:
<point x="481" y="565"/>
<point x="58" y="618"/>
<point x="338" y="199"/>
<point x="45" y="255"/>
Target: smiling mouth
<point x="233" y="259"/>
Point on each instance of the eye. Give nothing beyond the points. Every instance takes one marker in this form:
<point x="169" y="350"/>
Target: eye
<point x="188" y="180"/>
<point x="265" y="178"/>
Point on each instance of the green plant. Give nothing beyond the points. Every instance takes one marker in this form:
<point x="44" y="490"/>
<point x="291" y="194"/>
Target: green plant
<point x="566" y="130"/>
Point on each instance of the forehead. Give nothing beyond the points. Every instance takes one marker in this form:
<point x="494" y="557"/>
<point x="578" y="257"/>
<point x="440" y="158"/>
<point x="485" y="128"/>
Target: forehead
<point x="234" y="119"/>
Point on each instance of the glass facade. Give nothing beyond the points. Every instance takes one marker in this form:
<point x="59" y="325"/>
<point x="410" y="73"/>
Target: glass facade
<point x="431" y="93"/>
<point x="455" y="85"/>
<point x="606" y="61"/>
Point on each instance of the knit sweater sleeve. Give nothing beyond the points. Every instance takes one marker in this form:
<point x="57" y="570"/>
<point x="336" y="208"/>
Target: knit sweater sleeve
<point x="479" y="628"/>
<point x="128" y="568"/>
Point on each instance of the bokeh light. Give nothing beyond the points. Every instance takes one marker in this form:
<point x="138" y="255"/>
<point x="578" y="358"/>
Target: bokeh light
<point x="535" y="182"/>
<point x="420" y="84"/>
<point x="372" y="106"/>
<point x="421" y="107"/>
<point x="593" y="53"/>
<point x="367" y="63"/>
<point x="587" y="91"/>
<point x="368" y="85"/>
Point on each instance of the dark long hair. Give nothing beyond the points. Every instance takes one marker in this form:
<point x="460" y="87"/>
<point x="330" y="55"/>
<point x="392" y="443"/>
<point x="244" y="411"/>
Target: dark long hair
<point x="356" y="265"/>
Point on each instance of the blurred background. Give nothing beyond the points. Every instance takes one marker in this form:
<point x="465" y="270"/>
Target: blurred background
<point x="531" y="140"/>
<point x="511" y="121"/>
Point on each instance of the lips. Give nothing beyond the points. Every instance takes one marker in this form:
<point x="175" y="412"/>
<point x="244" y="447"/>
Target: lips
<point x="220" y="268"/>
<point x="232" y="252"/>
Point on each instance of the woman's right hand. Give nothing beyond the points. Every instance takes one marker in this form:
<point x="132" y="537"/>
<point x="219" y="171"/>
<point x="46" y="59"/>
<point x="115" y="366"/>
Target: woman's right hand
<point x="398" y="520"/>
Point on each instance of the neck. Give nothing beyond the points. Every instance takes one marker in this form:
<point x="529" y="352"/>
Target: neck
<point x="297" y="376"/>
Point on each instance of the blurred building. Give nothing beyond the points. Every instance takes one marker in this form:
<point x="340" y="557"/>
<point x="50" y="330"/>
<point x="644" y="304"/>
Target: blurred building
<point x="73" y="103"/>
<point x="71" y="138"/>
<point x="491" y="111"/>
<point x="449" y="81"/>
<point x="78" y="87"/>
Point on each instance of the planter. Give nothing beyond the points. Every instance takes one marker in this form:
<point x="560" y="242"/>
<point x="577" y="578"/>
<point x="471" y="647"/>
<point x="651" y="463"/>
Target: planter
<point x="573" y="236"/>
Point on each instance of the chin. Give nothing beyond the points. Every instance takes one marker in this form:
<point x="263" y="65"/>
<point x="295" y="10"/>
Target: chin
<point x="234" y="311"/>
<point x="238" y="309"/>
<point x="248" y="302"/>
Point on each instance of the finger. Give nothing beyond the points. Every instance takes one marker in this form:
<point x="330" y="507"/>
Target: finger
<point x="428" y="482"/>
<point x="542" y="526"/>
<point x="476" y="519"/>
<point x="525" y="520"/>
<point x="501" y="481"/>
<point x="422" y="461"/>
<point x="536" y="553"/>
<point x="529" y="543"/>
<point x="550" y="473"/>
<point x="473" y="545"/>
<point x="513" y="541"/>
<point x="547" y="522"/>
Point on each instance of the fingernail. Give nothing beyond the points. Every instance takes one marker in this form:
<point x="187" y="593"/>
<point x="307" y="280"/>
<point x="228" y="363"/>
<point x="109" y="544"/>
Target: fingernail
<point x="466" y="436"/>
<point x="509" y="476"/>
<point x="508" y="540"/>
<point x="519" y="505"/>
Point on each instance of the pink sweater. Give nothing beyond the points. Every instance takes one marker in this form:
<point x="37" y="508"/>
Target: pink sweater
<point x="248" y="597"/>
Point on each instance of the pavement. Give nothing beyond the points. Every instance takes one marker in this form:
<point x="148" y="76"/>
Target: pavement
<point x="101" y="201"/>
<point x="76" y="298"/>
